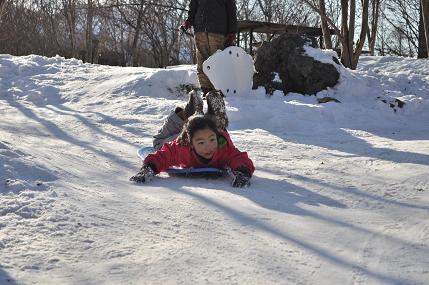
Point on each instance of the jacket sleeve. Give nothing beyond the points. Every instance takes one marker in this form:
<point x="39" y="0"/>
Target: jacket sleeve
<point x="231" y="10"/>
<point x="238" y="159"/>
<point x="235" y="158"/>
<point x="193" y="6"/>
<point x="163" y="158"/>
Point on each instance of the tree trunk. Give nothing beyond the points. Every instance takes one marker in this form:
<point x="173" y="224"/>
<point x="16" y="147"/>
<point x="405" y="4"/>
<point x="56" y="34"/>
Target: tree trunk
<point x="363" y="31"/>
<point x="89" y="18"/>
<point x="325" y="28"/>
<point x="70" y="14"/>
<point x="72" y="38"/>
<point x="352" y="22"/>
<point x="2" y="5"/>
<point x="349" y="54"/>
<point x="374" y="25"/>
<point x="425" y="14"/>
<point x="421" y="50"/>
<point x="346" y="44"/>
<point x="134" y="47"/>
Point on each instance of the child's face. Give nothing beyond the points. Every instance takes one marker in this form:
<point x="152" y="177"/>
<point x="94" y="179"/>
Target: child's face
<point x="205" y="143"/>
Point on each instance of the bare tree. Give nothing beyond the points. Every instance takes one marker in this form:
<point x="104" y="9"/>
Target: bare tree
<point x="50" y="20"/>
<point x="88" y="32"/>
<point x="325" y="27"/>
<point x="69" y="10"/>
<point x="2" y="6"/>
<point x="144" y="32"/>
<point x="19" y="28"/>
<point x="421" y="49"/>
<point x="401" y="18"/>
<point x="350" y="51"/>
<point x="246" y="10"/>
<point x="372" y="32"/>
<point x="425" y="14"/>
<point x="133" y="16"/>
<point x="112" y="37"/>
<point x="274" y="11"/>
<point x="2" y="11"/>
<point x="266" y="9"/>
<point x="161" y="33"/>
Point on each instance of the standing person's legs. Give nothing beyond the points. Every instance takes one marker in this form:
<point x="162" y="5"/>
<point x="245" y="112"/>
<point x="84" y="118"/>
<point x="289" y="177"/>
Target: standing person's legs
<point x="206" y="45"/>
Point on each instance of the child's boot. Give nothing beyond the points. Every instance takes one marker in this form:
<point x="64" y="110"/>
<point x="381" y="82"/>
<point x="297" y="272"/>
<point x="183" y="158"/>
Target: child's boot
<point x="194" y="105"/>
<point x="216" y="107"/>
<point x="205" y="90"/>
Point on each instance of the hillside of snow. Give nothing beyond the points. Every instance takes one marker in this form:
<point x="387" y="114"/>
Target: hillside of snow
<point x="340" y="194"/>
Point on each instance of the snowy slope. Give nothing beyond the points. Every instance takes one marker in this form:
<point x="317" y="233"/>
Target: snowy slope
<point x="340" y="194"/>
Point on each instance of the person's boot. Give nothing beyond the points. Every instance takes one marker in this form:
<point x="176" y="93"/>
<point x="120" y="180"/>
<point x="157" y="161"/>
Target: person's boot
<point x="216" y="107"/>
<point x="194" y="105"/>
<point x="205" y="91"/>
<point x="180" y="112"/>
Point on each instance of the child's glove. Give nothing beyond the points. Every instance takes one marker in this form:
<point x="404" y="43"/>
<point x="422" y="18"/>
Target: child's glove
<point x="230" y="39"/>
<point x="242" y="178"/>
<point x="185" y="26"/>
<point x="145" y="175"/>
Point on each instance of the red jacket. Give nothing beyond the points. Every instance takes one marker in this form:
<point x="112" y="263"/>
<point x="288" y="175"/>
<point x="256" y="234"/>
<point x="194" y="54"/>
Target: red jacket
<point x="175" y="154"/>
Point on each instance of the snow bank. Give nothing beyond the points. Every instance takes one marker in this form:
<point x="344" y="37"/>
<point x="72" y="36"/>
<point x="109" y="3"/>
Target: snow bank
<point x="20" y="172"/>
<point x="340" y="190"/>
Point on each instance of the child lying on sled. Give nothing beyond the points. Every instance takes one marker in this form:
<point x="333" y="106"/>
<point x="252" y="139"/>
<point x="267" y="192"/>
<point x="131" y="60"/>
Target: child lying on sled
<point x="201" y="143"/>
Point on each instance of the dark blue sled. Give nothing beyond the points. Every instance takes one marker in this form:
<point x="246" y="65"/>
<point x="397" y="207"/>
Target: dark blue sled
<point x="205" y="172"/>
<point x="187" y="172"/>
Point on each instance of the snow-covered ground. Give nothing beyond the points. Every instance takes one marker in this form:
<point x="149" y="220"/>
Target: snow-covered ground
<point x="340" y="194"/>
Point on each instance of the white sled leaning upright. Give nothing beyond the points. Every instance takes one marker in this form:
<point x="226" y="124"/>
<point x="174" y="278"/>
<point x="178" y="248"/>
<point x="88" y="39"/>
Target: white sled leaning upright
<point x="230" y="71"/>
